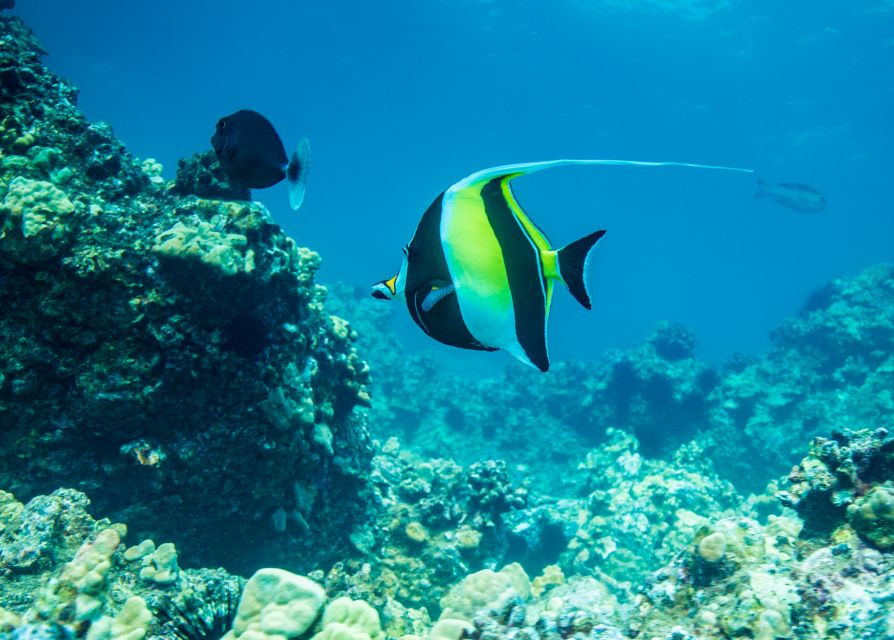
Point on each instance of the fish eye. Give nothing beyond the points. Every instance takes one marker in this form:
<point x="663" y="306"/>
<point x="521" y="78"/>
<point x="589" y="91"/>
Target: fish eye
<point x="221" y="124"/>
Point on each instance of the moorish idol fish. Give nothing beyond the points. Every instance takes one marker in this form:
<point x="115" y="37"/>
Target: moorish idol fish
<point x="479" y="273"/>
<point x="800" y="197"/>
<point x="251" y="153"/>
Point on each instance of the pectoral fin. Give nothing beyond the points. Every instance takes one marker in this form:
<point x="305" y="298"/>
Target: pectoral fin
<point x="435" y="296"/>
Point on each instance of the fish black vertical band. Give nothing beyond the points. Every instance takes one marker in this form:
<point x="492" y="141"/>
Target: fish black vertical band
<point x="527" y="283"/>
<point x="427" y="268"/>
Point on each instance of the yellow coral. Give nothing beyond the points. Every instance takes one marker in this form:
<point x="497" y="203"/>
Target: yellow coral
<point x="131" y="623"/>
<point x="223" y="251"/>
<point x="872" y="516"/>
<point x="276" y="604"/>
<point x="161" y="567"/>
<point x="485" y="589"/>
<point x="34" y="206"/>
<point x="552" y="576"/>
<point x="346" y="619"/>
<point x="416" y="532"/>
<point x="86" y="573"/>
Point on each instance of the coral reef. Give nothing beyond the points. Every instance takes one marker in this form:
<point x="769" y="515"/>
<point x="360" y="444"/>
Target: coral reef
<point x="201" y="175"/>
<point x="277" y="604"/>
<point x="437" y="522"/>
<point x="640" y="513"/>
<point x="169" y="355"/>
<point x="829" y="368"/>
<point x="65" y="573"/>
<point x="848" y="475"/>
<point x="659" y="391"/>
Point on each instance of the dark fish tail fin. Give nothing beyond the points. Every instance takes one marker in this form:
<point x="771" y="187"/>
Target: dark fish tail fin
<point x="763" y="189"/>
<point x="296" y="173"/>
<point x="573" y="265"/>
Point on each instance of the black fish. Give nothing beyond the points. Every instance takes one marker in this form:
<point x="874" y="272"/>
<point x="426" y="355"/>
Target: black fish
<point x="800" y="197"/>
<point x="251" y="152"/>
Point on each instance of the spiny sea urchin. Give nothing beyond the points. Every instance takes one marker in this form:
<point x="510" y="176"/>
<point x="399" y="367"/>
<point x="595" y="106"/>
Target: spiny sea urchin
<point x="195" y="618"/>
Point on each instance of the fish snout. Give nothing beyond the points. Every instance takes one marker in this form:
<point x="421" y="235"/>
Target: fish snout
<point x="384" y="290"/>
<point x="219" y="142"/>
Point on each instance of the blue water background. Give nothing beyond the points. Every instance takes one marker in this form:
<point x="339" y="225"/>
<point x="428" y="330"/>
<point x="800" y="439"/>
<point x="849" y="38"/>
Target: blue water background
<point x="400" y="99"/>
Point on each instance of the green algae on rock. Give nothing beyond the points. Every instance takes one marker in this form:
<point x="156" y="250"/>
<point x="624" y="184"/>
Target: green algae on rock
<point x="181" y="341"/>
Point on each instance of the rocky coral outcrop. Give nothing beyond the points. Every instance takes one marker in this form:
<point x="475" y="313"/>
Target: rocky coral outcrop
<point x="848" y="476"/>
<point x="679" y="555"/>
<point x="830" y="367"/>
<point x="438" y="522"/>
<point x="201" y="175"/>
<point x="168" y="354"/>
<point x="640" y="513"/>
<point x="65" y="574"/>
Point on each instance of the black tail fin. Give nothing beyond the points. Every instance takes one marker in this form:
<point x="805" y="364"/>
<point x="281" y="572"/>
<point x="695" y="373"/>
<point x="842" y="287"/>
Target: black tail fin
<point x="573" y="265"/>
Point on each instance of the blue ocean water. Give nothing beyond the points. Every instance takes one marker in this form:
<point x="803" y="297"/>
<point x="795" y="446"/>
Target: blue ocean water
<point x="402" y="99"/>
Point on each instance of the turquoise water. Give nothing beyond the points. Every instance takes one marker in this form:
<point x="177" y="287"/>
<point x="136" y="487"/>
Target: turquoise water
<point x="177" y="391"/>
<point x="400" y="100"/>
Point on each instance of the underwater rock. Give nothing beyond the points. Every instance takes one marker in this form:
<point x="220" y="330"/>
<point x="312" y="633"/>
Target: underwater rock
<point x="658" y="390"/>
<point x="583" y="608"/>
<point x="84" y="584"/>
<point x="640" y="513"/>
<point x="837" y="474"/>
<point x="180" y="342"/>
<point x="829" y="368"/>
<point x="36" y="535"/>
<point x="201" y="175"/>
<point x="773" y="585"/>
<point x="437" y="521"/>
<point x="720" y="576"/>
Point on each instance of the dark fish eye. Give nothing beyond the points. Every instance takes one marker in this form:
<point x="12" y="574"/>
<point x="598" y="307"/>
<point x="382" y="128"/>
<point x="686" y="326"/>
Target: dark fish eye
<point x="221" y="124"/>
